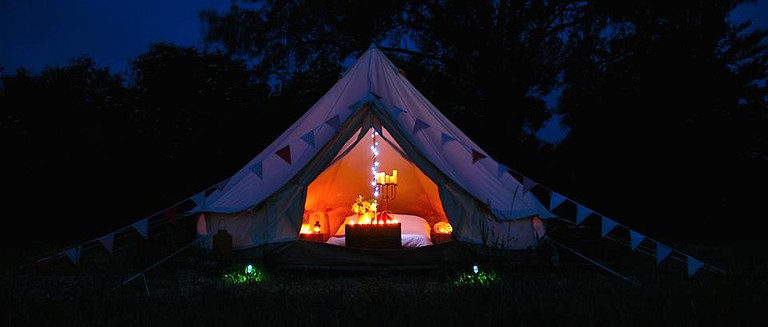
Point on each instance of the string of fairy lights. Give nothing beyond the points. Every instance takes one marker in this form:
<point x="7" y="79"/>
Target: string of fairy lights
<point x="375" y="165"/>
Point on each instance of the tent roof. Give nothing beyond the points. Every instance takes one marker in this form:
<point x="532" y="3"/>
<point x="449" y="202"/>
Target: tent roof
<point x="375" y="79"/>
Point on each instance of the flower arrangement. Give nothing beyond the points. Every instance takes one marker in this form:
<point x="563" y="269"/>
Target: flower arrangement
<point x="361" y="206"/>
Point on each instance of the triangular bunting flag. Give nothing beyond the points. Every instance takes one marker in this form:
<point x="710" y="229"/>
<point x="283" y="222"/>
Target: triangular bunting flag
<point x="396" y="111"/>
<point x="142" y="227"/>
<point x="202" y="227"/>
<point x="502" y="170"/>
<point x="74" y="255"/>
<point x="285" y="153"/>
<point x="555" y="200"/>
<point x="221" y="185"/>
<point x="528" y="184"/>
<point x="199" y="200"/>
<point x="170" y="215"/>
<point x="257" y="169"/>
<point x="608" y="226"/>
<point x="419" y="125"/>
<point x="334" y="122"/>
<point x="445" y="138"/>
<point x="635" y="238"/>
<point x="662" y="252"/>
<point x="477" y="156"/>
<point x="581" y="213"/>
<point x="309" y="138"/>
<point x="108" y="241"/>
<point x="354" y="105"/>
<point x="693" y="266"/>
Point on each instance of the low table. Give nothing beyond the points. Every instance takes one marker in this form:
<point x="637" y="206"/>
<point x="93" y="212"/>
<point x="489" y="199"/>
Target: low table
<point x="385" y="236"/>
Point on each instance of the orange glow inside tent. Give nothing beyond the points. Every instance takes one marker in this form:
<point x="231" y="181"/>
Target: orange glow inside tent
<point x="333" y="192"/>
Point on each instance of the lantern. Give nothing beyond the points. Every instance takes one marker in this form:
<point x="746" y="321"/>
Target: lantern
<point x="442" y="227"/>
<point x="317" y="228"/>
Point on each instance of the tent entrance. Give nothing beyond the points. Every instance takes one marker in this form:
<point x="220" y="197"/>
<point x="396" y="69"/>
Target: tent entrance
<point x="330" y="196"/>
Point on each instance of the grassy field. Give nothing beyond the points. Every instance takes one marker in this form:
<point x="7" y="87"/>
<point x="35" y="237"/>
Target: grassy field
<point x="188" y="291"/>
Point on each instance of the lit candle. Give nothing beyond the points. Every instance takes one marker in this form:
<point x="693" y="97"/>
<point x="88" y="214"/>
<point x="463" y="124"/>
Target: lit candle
<point x="394" y="176"/>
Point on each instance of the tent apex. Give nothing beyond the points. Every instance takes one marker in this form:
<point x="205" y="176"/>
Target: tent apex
<point x="373" y="45"/>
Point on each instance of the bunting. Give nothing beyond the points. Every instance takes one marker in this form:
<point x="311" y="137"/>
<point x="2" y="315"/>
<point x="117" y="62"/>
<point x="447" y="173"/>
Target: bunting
<point x="257" y="169"/>
<point x="693" y="266"/>
<point x="582" y="213"/>
<point x="662" y="252"/>
<point x="477" y="156"/>
<point x="528" y="184"/>
<point x="221" y="185"/>
<point x="635" y="238"/>
<point x="396" y="111"/>
<point x="309" y="138"/>
<point x="607" y="226"/>
<point x="285" y="153"/>
<point x="354" y="105"/>
<point x="334" y="122"/>
<point x="555" y="200"/>
<point x="419" y="125"/>
<point x="445" y="138"/>
<point x="202" y="227"/>
<point x="142" y="226"/>
<point x="74" y="254"/>
<point x="170" y="214"/>
<point x="108" y="241"/>
<point x="199" y="200"/>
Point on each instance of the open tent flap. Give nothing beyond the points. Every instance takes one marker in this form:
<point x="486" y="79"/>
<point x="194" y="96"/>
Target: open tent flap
<point x="335" y="189"/>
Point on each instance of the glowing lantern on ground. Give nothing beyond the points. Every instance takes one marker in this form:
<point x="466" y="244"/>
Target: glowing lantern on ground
<point x="317" y="228"/>
<point x="442" y="227"/>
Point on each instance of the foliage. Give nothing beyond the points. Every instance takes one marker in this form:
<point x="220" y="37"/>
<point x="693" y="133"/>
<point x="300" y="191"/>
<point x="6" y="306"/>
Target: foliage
<point x="572" y="295"/>
<point x="361" y="206"/>
<point x="481" y="278"/>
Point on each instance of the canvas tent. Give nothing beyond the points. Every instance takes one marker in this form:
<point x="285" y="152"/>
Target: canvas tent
<point x="320" y="164"/>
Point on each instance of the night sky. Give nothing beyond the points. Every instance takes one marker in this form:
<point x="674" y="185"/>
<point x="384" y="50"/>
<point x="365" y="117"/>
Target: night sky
<point x="34" y="34"/>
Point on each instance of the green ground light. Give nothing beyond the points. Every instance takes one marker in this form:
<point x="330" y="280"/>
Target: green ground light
<point x="245" y="274"/>
<point x="476" y="278"/>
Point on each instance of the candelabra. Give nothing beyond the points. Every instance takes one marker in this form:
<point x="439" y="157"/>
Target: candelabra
<point x="387" y="192"/>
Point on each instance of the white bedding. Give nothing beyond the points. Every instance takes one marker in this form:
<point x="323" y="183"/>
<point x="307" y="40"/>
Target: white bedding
<point x="414" y="231"/>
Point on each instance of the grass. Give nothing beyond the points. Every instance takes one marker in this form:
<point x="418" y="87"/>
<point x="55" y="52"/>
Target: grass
<point x="184" y="292"/>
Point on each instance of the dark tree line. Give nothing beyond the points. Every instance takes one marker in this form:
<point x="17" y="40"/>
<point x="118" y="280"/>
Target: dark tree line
<point x="666" y="103"/>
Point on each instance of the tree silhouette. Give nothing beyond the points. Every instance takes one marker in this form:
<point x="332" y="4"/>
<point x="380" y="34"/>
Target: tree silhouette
<point x="664" y="113"/>
<point x="487" y="64"/>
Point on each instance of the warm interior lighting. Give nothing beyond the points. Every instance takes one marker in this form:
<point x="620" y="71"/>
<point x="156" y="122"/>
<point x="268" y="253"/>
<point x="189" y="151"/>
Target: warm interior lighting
<point x="383" y="179"/>
<point x="442" y="227"/>
<point x="305" y="229"/>
<point x="317" y="228"/>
